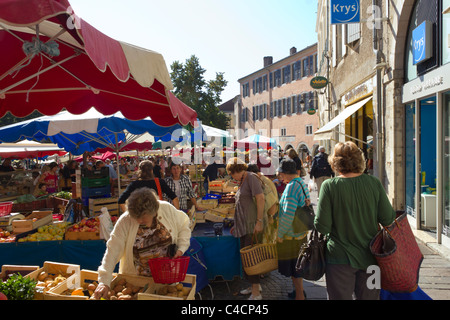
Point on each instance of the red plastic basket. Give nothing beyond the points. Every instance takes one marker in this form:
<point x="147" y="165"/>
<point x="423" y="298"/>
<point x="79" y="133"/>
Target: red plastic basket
<point x="5" y="208"/>
<point x="167" y="270"/>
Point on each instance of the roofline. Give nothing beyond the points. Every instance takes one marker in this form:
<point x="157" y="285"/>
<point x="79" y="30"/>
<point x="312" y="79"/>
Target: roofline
<point x="267" y="68"/>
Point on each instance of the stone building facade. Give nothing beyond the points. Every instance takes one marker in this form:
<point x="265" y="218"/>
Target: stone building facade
<point x="275" y="100"/>
<point x="389" y="91"/>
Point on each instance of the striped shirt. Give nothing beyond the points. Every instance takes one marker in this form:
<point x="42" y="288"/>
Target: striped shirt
<point x="292" y="198"/>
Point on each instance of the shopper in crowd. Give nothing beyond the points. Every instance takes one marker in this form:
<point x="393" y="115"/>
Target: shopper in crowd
<point x="272" y="218"/>
<point x="292" y="154"/>
<point x="149" y="229"/>
<point x="288" y="241"/>
<point x="157" y="170"/>
<point x="6" y="166"/>
<point x="146" y="179"/>
<point x="50" y="178"/>
<point x="351" y="207"/>
<point x="249" y="214"/>
<point x="182" y="186"/>
<point x="40" y="190"/>
<point x="321" y="169"/>
<point x="123" y="167"/>
<point x="67" y="176"/>
<point x="211" y="172"/>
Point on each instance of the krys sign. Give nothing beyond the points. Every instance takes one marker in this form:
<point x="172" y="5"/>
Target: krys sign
<point x="345" y="11"/>
<point x="422" y="38"/>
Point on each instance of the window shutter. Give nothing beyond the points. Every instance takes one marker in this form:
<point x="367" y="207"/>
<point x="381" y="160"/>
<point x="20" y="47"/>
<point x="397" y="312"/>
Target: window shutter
<point x="271" y="110"/>
<point x="353" y="32"/>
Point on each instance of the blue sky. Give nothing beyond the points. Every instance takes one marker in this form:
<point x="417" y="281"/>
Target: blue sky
<point x="230" y="36"/>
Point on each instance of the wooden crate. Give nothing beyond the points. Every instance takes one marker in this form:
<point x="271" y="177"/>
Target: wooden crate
<point x="208" y="204"/>
<point x="12" y="269"/>
<point x="152" y="292"/>
<point x="52" y="268"/>
<point x="41" y="218"/>
<point x="216" y="185"/>
<point x="96" y="205"/>
<point x="81" y="280"/>
<point x="200" y="217"/>
<point x="138" y="281"/>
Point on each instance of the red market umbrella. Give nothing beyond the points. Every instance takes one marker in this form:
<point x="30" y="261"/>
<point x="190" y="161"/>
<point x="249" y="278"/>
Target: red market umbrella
<point x="103" y="157"/>
<point x="52" y="59"/>
<point x="139" y="146"/>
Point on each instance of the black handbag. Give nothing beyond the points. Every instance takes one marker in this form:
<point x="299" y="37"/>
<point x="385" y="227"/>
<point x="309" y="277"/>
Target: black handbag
<point x="304" y="217"/>
<point x="311" y="259"/>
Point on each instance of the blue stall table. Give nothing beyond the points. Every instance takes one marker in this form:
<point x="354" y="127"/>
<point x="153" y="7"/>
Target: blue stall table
<point x="88" y="253"/>
<point x="221" y="253"/>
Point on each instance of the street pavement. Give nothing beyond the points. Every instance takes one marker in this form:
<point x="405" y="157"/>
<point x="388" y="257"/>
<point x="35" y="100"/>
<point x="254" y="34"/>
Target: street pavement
<point x="434" y="277"/>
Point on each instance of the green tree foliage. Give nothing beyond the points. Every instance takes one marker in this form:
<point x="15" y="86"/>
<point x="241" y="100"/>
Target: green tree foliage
<point x="201" y="95"/>
<point x="8" y="118"/>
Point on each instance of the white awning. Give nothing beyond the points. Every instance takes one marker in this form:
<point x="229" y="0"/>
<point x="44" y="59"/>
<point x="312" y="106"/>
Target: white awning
<point x="326" y="131"/>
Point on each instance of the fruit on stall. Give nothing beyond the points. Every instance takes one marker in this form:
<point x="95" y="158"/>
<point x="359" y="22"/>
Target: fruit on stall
<point x="52" y="232"/>
<point x="2" y="296"/>
<point x="86" y="225"/>
<point x="6" y="236"/>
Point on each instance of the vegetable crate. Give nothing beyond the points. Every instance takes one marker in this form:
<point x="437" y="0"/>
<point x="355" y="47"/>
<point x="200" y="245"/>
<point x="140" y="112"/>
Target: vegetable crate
<point x="159" y="291"/>
<point x="35" y="220"/>
<point x="96" y="205"/>
<point x="8" y="270"/>
<point x="52" y="269"/>
<point x="139" y="282"/>
<point x="76" y="281"/>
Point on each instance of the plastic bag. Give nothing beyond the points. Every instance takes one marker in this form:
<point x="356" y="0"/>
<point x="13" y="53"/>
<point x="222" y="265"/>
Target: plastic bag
<point x="106" y="225"/>
<point x="311" y="185"/>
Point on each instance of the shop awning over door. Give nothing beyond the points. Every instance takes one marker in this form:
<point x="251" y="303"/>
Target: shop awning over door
<point x="325" y="133"/>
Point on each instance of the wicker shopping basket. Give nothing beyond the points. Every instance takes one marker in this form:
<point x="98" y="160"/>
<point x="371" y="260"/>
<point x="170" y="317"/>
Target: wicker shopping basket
<point x="259" y="258"/>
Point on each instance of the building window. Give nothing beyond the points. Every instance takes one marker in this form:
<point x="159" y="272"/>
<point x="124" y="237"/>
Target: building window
<point x="245" y="90"/>
<point x="287" y="74"/>
<point x="277" y="75"/>
<point x="279" y="107"/>
<point x="271" y="110"/>
<point x="297" y="70"/>
<point x="283" y="132"/>
<point x="309" y="130"/>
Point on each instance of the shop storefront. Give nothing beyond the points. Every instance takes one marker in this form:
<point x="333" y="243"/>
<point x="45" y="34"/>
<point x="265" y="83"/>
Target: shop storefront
<point x="426" y="99"/>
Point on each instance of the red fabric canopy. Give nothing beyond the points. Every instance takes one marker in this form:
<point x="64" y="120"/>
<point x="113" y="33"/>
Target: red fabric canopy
<point x="139" y="146"/>
<point x="95" y="70"/>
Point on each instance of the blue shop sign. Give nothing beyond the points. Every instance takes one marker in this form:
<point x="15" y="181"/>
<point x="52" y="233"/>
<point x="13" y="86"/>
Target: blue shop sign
<point x="422" y="38"/>
<point x="345" y="11"/>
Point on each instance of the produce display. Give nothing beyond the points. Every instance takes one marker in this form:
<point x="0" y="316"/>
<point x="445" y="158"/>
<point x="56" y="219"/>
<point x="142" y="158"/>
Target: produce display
<point x="63" y="194"/>
<point x="46" y="281"/>
<point x="177" y="290"/>
<point x="17" y="287"/>
<point x="122" y="291"/>
<point x="86" y="225"/>
<point x="53" y="232"/>
<point x="6" y="236"/>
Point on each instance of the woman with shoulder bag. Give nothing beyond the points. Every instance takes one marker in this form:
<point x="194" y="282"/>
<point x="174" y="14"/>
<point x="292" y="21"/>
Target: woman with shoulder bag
<point x="289" y="242"/>
<point x="351" y="207"/>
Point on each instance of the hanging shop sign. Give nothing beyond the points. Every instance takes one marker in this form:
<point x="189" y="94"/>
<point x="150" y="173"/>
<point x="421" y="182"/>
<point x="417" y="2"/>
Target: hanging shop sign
<point x="345" y="11"/>
<point x="422" y="37"/>
<point x="311" y="112"/>
<point x="319" y="82"/>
